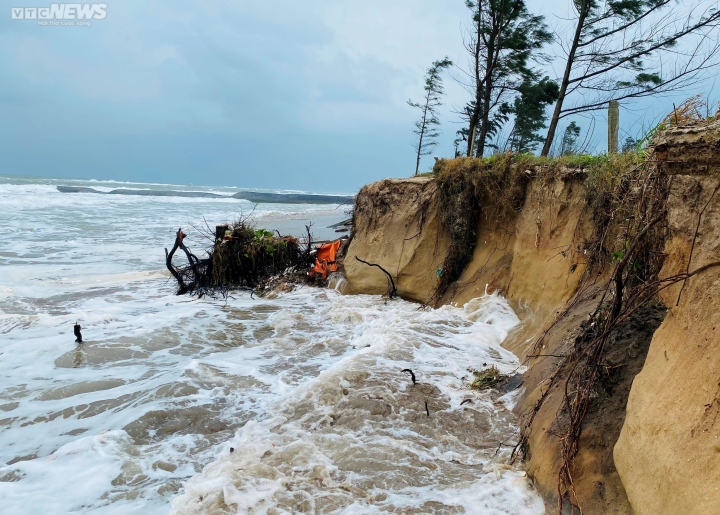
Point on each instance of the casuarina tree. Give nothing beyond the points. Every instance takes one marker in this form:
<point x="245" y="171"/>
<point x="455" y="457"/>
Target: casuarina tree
<point x="502" y="41"/>
<point x="426" y="128"/>
<point x="529" y="109"/>
<point x="623" y="49"/>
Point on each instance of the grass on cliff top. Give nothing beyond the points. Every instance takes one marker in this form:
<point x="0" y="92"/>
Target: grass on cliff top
<point x="542" y="165"/>
<point x="495" y="188"/>
<point x="601" y="174"/>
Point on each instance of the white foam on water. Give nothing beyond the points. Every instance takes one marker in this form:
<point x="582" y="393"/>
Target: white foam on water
<point x="307" y="389"/>
<point x="355" y="438"/>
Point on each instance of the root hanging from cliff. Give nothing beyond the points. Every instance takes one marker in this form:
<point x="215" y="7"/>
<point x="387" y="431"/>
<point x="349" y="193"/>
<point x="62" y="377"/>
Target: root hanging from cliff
<point x="465" y="186"/>
<point x="629" y="209"/>
<point x="392" y="290"/>
<point x="627" y="250"/>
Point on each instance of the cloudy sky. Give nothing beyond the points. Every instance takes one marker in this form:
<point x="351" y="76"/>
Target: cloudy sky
<point x="286" y="94"/>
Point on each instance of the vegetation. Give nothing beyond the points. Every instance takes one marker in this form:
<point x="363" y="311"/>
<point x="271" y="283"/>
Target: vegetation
<point x="503" y="41"/>
<point x="611" y="50"/>
<point x="528" y="110"/>
<point x="426" y="127"/>
<point x="487" y="378"/>
<point x="569" y="145"/>
<point x="248" y="255"/>
<point x="494" y="188"/>
<point x="241" y="257"/>
<point x="623" y="49"/>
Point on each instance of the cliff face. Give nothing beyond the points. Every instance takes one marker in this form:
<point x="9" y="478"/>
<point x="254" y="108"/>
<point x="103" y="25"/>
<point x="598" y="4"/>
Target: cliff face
<point x="668" y="454"/>
<point x="397" y="226"/>
<point x="659" y="452"/>
<point x="527" y="258"/>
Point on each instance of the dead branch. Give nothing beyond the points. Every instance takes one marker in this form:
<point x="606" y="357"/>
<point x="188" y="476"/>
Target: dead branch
<point x="183" y="288"/>
<point x="392" y="291"/>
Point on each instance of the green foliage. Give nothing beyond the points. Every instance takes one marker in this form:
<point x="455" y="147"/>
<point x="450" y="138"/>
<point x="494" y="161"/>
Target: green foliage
<point x="529" y="112"/>
<point x="461" y="137"/>
<point x="252" y="255"/>
<point x="569" y="144"/>
<point x="426" y="127"/>
<point x="641" y="80"/>
<point x="262" y="233"/>
<point x="487" y="378"/>
<point x="630" y="144"/>
<point x="505" y="38"/>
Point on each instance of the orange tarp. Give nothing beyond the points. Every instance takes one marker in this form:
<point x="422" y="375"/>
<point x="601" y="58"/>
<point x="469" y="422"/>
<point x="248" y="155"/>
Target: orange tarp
<point x="325" y="261"/>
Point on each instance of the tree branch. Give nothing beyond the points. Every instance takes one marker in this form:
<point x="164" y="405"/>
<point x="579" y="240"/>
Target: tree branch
<point x="392" y="291"/>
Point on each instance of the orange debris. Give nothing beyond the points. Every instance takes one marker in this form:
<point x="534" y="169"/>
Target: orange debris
<point x="325" y="260"/>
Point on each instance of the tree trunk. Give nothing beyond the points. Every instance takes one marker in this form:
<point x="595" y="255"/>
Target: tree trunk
<point x="493" y="52"/>
<point x="422" y="133"/>
<point x="475" y="116"/>
<point x="471" y="132"/>
<point x="555" y="120"/>
<point x="485" y="122"/>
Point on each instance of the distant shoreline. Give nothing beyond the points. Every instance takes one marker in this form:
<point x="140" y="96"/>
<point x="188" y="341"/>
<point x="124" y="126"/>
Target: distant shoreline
<point x="252" y="196"/>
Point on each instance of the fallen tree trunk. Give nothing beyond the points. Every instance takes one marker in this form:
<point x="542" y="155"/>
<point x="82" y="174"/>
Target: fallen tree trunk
<point x="241" y="258"/>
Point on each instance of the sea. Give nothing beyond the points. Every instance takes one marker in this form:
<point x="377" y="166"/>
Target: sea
<point x="245" y="404"/>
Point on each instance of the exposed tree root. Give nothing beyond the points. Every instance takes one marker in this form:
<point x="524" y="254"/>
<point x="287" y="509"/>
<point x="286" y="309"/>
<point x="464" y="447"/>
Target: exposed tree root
<point x="392" y="290"/>
<point x="632" y="226"/>
<point x="241" y="258"/>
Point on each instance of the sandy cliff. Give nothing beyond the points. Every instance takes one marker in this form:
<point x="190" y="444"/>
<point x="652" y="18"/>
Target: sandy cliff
<point x="528" y="258"/>
<point x="668" y="453"/>
<point x="667" y="434"/>
<point x="397" y="226"/>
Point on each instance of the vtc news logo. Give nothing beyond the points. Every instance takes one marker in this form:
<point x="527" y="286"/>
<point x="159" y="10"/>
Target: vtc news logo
<point x="60" y="12"/>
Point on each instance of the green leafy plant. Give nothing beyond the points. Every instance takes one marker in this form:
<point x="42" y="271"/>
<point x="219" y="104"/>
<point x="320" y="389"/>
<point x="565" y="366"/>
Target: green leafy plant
<point x="487" y="378"/>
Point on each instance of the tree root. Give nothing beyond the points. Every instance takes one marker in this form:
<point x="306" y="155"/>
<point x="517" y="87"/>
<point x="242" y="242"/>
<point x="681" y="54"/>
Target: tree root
<point x="392" y="291"/>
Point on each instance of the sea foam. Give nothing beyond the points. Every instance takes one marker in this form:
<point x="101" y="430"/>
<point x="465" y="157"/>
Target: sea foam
<point x="307" y="389"/>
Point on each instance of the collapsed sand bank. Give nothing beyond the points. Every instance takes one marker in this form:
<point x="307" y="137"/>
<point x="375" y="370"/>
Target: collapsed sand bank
<point x="665" y="457"/>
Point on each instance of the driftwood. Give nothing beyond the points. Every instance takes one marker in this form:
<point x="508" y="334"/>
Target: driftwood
<point x="412" y="375"/>
<point x="183" y="288"/>
<point x="392" y="291"/>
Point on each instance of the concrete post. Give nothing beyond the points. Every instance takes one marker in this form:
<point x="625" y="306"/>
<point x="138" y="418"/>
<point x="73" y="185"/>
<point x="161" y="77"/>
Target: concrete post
<point x="613" y="126"/>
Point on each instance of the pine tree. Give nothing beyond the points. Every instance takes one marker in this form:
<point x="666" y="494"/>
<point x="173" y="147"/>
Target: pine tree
<point x="619" y="48"/>
<point x="529" y="111"/>
<point x="569" y="144"/>
<point x="461" y="137"/>
<point x="505" y="36"/>
<point x="426" y="127"/>
<point x="629" y="144"/>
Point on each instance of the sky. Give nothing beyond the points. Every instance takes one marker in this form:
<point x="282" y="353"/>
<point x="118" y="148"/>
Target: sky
<point x="308" y="95"/>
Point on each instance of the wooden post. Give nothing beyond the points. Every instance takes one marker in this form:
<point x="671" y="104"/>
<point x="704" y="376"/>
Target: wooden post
<point x="613" y="126"/>
<point x="220" y="232"/>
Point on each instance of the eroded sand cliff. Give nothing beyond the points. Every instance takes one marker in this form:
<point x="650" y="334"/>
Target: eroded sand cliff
<point x="666" y="457"/>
